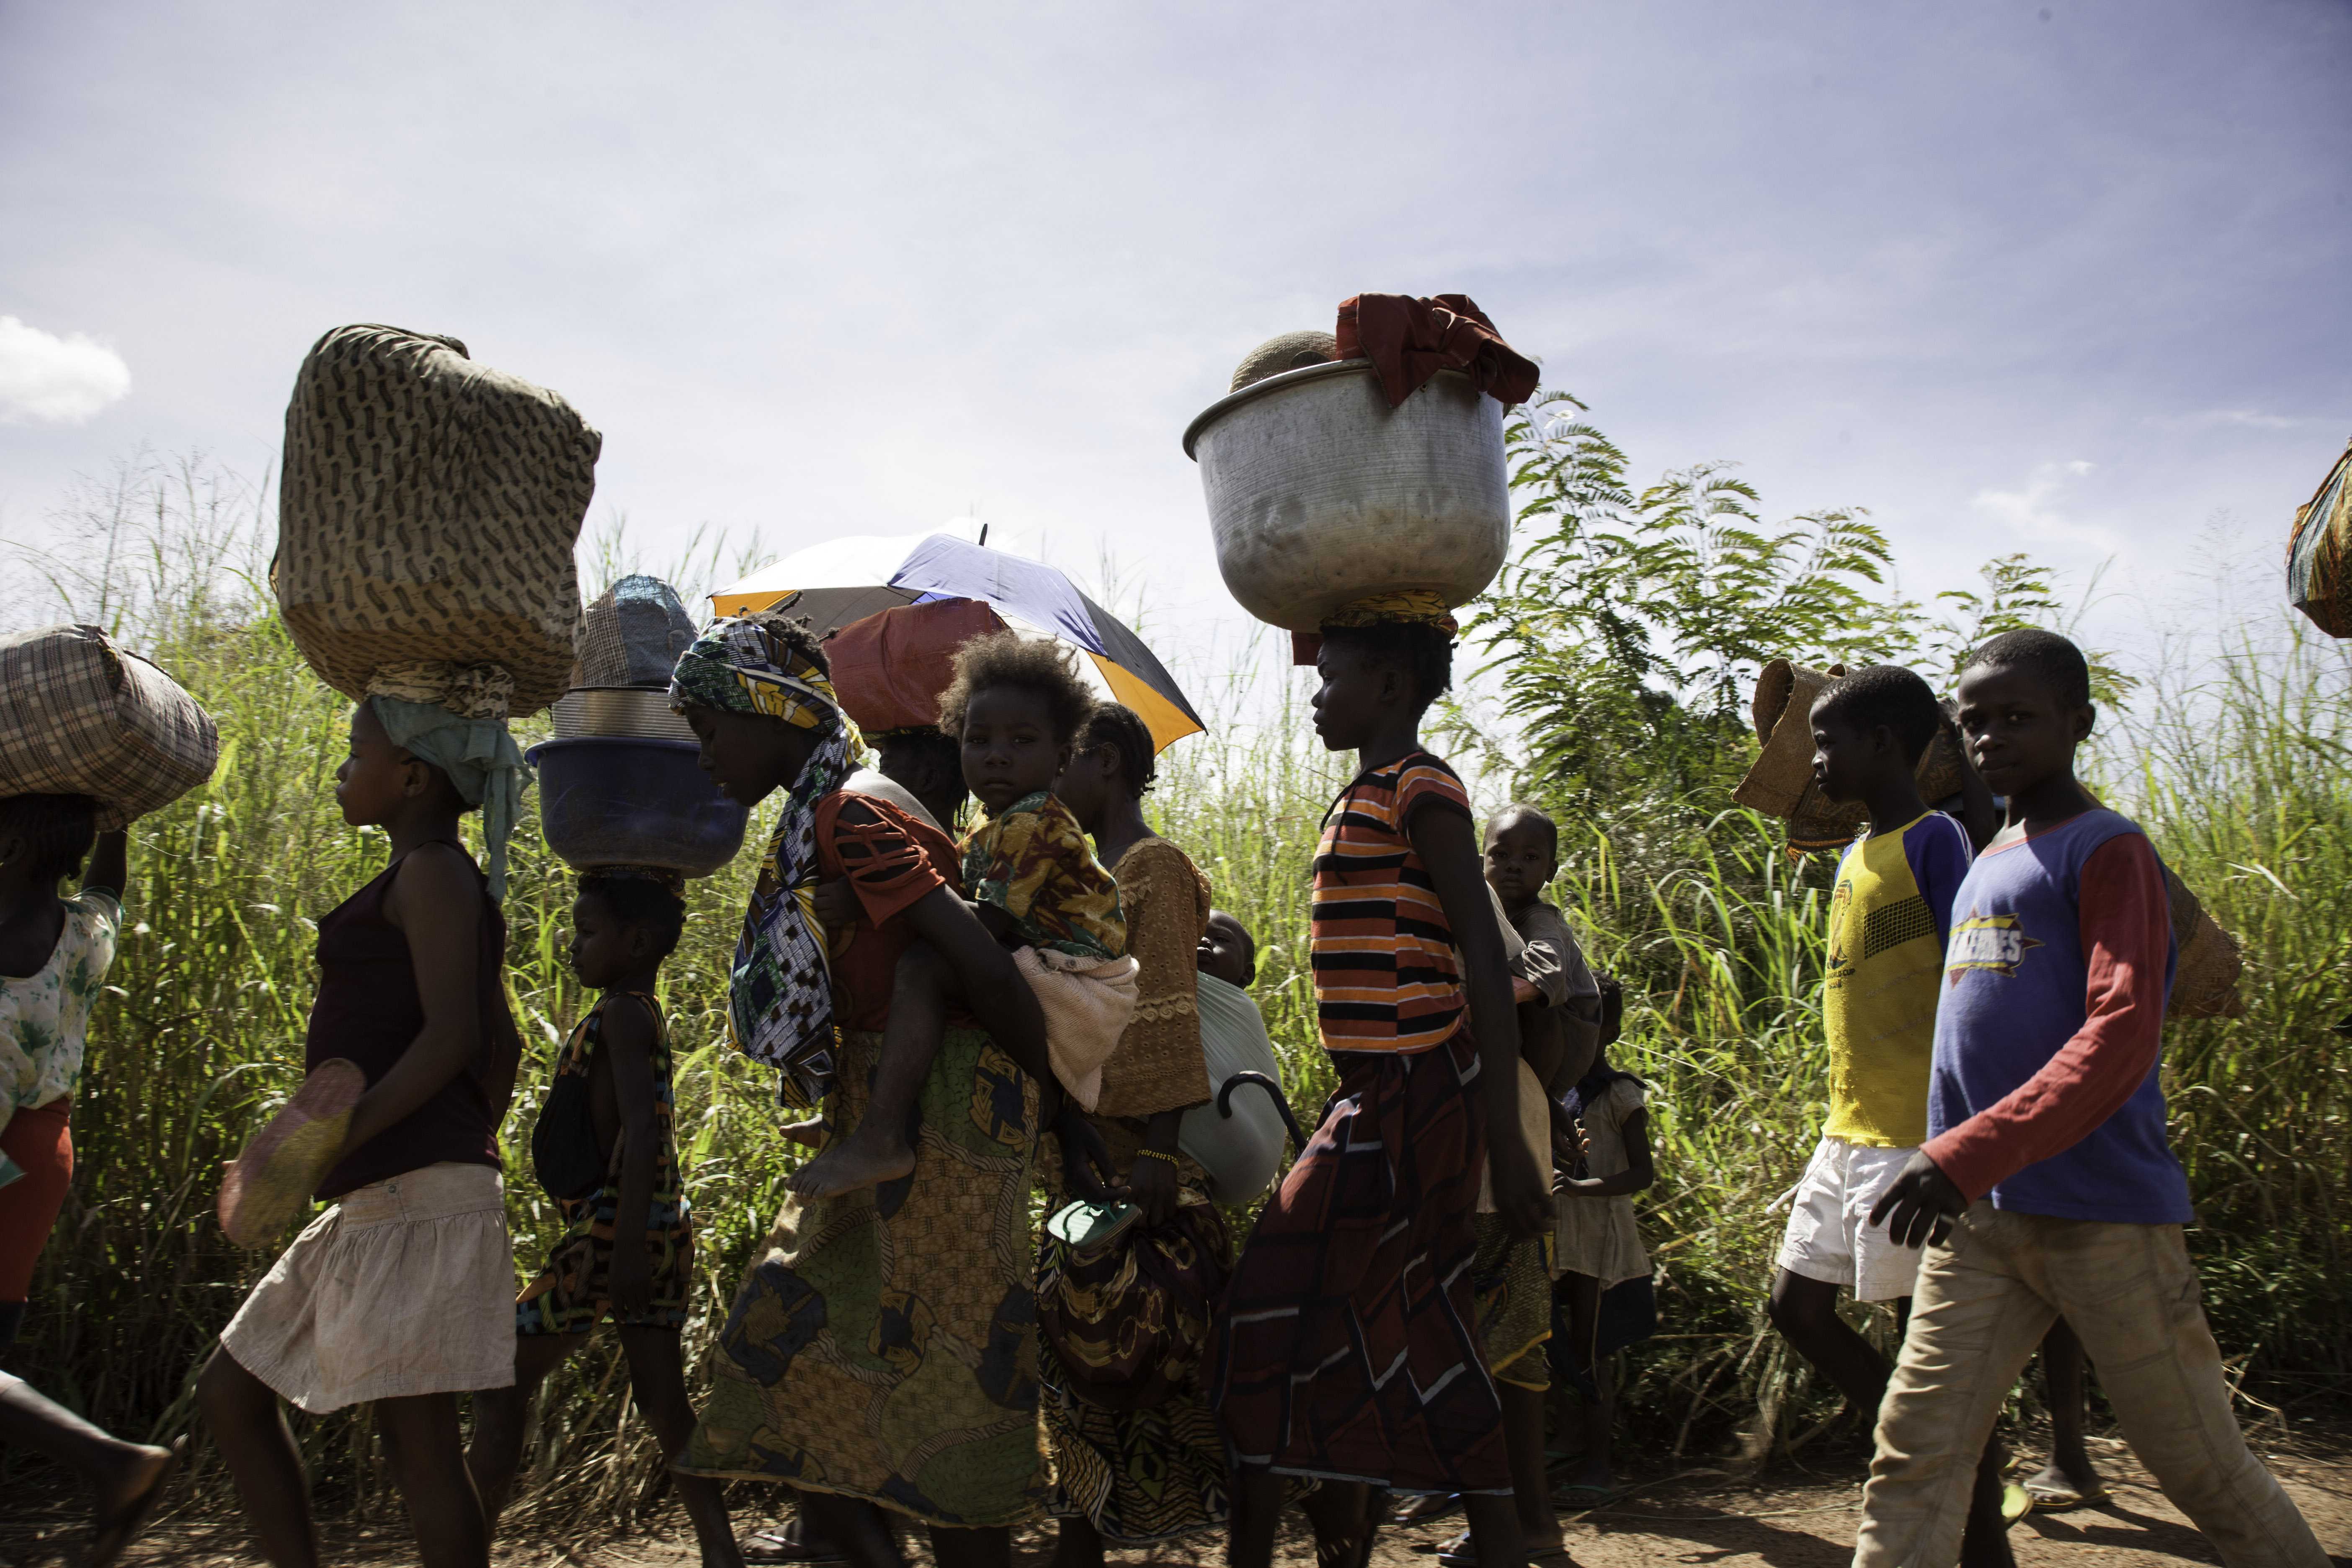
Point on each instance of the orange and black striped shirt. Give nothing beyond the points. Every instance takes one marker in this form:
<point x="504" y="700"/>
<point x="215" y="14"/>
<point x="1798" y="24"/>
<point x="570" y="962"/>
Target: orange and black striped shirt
<point x="1384" y="954"/>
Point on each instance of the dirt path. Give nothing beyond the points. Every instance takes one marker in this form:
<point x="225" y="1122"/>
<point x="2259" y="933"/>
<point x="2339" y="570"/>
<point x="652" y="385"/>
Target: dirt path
<point x="1793" y="1519"/>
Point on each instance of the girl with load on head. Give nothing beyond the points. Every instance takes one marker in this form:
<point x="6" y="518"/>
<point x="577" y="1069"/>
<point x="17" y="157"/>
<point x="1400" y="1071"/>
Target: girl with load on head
<point x="880" y="1353"/>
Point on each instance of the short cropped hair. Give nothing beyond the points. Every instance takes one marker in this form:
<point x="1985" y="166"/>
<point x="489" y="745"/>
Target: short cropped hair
<point x="1117" y="725"/>
<point x="1518" y="808"/>
<point x="640" y="901"/>
<point x="1891" y="695"/>
<point x="928" y="743"/>
<point x="1030" y="664"/>
<point x="57" y="830"/>
<point x="1423" y="653"/>
<point x="2046" y="656"/>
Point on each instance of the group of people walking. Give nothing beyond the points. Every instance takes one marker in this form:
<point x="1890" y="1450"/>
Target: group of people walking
<point x="954" y="1026"/>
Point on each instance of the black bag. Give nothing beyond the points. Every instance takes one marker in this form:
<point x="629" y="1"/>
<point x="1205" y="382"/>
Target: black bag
<point x="563" y="1152"/>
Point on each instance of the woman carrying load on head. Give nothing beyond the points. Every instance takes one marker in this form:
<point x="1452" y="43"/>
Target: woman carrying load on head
<point x="880" y="1353"/>
<point x="1136" y="1476"/>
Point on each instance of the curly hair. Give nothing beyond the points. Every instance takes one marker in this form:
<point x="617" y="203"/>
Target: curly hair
<point x="57" y="831"/>
<point x="1117" y="725"/>
<point x="2047" y="657"/>
<point x="639" y="902"/>
<point x="1039" y="664"/>
<point x="1422" y="654"/>
<point x="1890" y="695"/>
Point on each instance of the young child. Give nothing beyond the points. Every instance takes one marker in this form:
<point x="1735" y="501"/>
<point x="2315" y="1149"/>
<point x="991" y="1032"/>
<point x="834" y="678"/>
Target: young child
<point x="1890" y="913"/>
<point x="403" y="1293"/>
<point x="1358" y="1263"/>
<point x="1016" y="705"/>
<point x="2045" y="1184"/>
<point x="53" y="953"/>
<point x="623" y="923"/>
<point x="1600" y="1250"/>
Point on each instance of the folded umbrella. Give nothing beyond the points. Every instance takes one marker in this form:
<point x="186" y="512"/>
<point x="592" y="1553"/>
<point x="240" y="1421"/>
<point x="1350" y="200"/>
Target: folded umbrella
<point x="844" y="581"/>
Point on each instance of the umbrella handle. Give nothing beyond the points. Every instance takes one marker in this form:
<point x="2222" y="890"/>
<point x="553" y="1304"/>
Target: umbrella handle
<point x="1225" y="1104"/>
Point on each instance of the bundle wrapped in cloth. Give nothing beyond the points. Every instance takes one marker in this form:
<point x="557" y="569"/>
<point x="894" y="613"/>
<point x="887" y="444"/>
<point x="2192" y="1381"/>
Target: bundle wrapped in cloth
<point x="81" y="716"/>
<point x="428" y="513"/>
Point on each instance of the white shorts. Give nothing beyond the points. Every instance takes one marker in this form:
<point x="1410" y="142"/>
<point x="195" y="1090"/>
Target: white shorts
<point x="1830" y="1236"/>
<point x="404" y="1286"/>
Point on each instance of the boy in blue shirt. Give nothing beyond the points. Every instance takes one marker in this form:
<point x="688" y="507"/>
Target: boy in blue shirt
<point x="2046" y="1186"/>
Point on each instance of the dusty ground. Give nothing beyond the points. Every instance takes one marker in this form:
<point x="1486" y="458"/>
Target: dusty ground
<point x="1793" y="1518"/>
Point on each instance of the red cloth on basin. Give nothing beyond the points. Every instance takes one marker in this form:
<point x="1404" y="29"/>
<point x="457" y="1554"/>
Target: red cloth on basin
<point x="1409" y="339"/>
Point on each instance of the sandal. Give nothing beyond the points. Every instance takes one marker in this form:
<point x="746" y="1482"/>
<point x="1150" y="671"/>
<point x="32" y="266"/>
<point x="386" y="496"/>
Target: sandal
<point x="1427" y="1508"/>
<point x="776" y="1546"/>
<point x="1458" y="1553"/>
<point x="1583" y="1499"/>
<point x="113" y="1534"/>
<point x="2016" y="1502"/>
<point x="2059" y="1499"/>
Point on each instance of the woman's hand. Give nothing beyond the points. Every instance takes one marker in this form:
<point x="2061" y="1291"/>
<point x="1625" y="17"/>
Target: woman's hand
<point x="1152" y="1187"/>
<point x="837" y="905"/>
<point x="1086" y="1158"/>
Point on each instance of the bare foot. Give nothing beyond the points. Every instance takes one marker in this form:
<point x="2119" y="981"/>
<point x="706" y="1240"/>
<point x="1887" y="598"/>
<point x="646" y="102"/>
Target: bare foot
<point x="861" y="1161"/>
<point x="811" y="1132"/>
<point x="128" y="1496"/>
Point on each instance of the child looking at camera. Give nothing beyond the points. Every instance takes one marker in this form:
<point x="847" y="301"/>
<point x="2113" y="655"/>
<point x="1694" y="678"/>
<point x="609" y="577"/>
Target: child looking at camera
<point x="1017" y="706"/>
<point x="606" y="1136"/>
<point x="2046" y="1153"/>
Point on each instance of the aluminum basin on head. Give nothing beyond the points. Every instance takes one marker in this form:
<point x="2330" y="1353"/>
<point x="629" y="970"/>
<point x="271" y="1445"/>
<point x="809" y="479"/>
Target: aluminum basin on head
<point x="616" y="800"/>
<point x="1319" y="493"/>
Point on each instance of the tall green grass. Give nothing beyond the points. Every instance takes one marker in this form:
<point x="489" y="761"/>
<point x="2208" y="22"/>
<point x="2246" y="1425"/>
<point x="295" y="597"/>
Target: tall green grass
<point x="2241" y="766"/>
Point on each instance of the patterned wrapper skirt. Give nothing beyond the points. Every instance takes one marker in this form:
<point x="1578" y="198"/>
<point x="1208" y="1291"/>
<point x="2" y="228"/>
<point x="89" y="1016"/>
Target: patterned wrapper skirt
<point x="884" y="1346"/>
<point x="1512" y="1281"/>
<point x="1349" y="1349"/>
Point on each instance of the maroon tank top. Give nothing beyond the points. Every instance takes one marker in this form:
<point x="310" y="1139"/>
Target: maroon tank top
<point x="368" y="1011"/>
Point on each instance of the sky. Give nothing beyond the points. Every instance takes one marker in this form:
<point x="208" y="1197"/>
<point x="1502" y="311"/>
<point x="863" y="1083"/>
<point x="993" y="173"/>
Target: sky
<point x="2065" y="277"/>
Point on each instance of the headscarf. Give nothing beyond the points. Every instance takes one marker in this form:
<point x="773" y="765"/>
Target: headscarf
<point x="454" y="717"/>
<point x="780" y="989"/>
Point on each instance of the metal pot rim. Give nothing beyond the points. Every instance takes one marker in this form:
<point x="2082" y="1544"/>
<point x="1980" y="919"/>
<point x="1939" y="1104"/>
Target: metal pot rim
<point x="1288" y="378"/>
<point x="655" y="741"/>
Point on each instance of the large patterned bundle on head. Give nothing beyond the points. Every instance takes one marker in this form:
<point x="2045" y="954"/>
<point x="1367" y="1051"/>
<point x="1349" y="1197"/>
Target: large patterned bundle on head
<point x="2319" y="553"/>
<point x="428" y="511"/>
<point x="79" y="716"/>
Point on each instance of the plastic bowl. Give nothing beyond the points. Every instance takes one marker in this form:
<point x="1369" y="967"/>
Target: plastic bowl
<point x="618" y="800"/>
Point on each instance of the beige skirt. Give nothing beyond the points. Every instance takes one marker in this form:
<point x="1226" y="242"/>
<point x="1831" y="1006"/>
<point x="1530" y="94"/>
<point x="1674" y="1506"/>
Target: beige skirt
<point x="405" y="1287"/>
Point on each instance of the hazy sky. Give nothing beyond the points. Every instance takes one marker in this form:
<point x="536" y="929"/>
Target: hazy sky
<point x="2066" y="278"/>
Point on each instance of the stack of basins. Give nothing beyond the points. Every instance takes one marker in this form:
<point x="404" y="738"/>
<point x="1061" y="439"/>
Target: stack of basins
<point x="620" y="785"/>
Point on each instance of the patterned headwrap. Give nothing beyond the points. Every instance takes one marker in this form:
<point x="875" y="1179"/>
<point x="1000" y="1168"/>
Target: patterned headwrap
<point x="780" y="990"/>
<point x="454" y="716"/>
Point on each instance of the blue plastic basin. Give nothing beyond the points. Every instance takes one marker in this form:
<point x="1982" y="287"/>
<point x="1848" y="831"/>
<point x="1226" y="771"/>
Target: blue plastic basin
<point x="616" y="800"/>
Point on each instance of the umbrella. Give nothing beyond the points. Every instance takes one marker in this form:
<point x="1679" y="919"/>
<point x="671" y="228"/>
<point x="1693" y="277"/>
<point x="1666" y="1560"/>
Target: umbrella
<point x="845" y="580"/>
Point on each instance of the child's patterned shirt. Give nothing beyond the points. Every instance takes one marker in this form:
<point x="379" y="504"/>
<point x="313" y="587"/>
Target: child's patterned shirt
<point x="45" y="1016"/>
<point x="1033" y="862"/>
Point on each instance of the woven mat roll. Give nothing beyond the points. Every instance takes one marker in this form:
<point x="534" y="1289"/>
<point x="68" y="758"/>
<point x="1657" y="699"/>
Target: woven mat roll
<point x="428" y="511"/>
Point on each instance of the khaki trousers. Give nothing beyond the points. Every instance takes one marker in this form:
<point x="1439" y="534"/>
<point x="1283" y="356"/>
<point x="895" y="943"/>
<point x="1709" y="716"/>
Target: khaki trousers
<point x="1985" y="1297"/>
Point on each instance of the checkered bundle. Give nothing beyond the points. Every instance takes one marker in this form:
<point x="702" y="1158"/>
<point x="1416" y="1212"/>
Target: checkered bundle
<point x="79" y="716"/>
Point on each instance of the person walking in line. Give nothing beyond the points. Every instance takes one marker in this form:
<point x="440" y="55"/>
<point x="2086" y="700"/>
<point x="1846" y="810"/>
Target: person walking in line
<point x="2046" y="1184"/>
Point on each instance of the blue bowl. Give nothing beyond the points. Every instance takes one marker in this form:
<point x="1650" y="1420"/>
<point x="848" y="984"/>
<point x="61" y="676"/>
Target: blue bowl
<point x="617" y="800"/>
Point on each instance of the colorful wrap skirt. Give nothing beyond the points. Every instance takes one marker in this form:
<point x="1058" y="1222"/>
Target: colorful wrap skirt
<point x="1348" y="1348"/>
<point x="1512" y="1282"/>
<point x="884" y="1344"/>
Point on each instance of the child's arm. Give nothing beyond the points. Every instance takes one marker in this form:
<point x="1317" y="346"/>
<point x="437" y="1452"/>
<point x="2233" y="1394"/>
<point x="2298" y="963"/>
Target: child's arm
<point x="110" y="864"/>
<point x="1640" y="1170"/>
<point x="627" y="1043"/>
<point x="2126" y="933"/>
<point x="1448" y="848"/>
<point x="436" y="902"/>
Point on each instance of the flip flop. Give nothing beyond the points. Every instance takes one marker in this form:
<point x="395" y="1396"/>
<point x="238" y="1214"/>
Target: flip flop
<point x="1459" y="1553"/>
<point x="1427" y="1508"/>
<point x="282" y="1167"/>
<point x="775" y="1546"/>
<point x="2060" y="1499"/>
<point x="2016" y="1502"/>
<point x="1583" y="1499"/>
<point x="113" y="1535"/>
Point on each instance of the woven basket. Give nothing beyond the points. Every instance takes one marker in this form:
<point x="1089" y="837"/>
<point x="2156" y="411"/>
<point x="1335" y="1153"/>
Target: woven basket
<point x="1780" y="784"/>
<point x="2205" y="974"/>
<point x="428" y="511"/>
<point x="1289" y="351"/>
<point x="79" y="716"/>
<point x="2319" y="553"/>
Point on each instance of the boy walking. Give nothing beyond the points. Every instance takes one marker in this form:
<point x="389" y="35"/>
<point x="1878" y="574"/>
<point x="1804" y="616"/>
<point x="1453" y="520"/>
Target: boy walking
<point x="2046" y="1186"/>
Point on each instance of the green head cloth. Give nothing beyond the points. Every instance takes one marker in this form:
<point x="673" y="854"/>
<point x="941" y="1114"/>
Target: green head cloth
<point x="456" y="719"/>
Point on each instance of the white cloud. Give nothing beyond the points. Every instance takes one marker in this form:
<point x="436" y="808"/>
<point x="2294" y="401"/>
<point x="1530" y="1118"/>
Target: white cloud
<point x="55" y="379"/>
